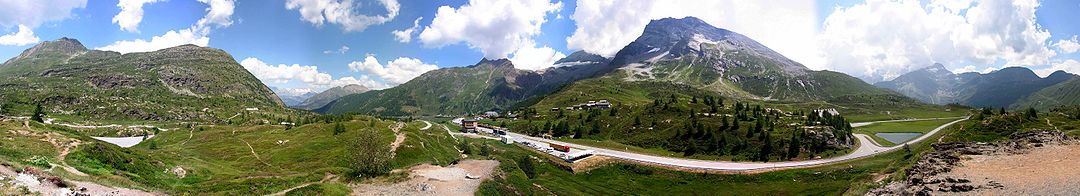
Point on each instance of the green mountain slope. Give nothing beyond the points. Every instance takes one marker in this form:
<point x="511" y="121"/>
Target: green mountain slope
<point x="187" y="83"/>
<point x="488" y="85"/>
<point x="319" y="100"/>
<point x="1062" y="94"/>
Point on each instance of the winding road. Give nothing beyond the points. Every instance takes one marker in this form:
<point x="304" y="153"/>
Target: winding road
<point x="866" y="148"/>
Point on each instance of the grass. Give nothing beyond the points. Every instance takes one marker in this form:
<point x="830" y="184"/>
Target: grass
<point x="218" y="159"/>
<point x="321" y="189"/>
<point x="922" y="126"/>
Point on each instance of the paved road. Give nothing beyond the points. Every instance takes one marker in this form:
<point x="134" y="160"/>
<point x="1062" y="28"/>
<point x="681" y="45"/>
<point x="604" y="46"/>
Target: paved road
<point x="866" y="148"/>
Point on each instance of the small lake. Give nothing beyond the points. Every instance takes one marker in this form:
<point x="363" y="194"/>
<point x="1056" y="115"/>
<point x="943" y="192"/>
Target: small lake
<point x="123" y="141"/>
<point x="898" y="138"/>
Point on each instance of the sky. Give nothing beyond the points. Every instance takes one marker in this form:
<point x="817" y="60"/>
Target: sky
<point x="301" y="46"/>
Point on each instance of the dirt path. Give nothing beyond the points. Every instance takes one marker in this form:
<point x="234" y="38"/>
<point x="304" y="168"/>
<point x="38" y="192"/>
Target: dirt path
<point x="461" y="179"/>
<point x="256" y="154"/>
<point x="448" y="132"/>
<point x="327" y="178"/>
<point x="399" y="137"/>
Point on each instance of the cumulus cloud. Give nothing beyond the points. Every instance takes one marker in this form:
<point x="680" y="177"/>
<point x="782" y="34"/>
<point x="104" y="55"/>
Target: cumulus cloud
<point x="1068" y="46"/>
<point x="495" y="27"/>
<point x="405" y="35"/>
<point x="882" y="39"/>
<point x="19" y="38"/>
<point x="1070" y="65"/>
<point x="35" y="12"/>
<point x="218" y="15"/>
<point x="282" y="73"/>
<point x="131" y="14"/>
<point x="341" y="50"/>
<point x="532" y="58"/>
<point x="292" y="91"/>
<point x="169" y="39"/>
<point x="341" y="12"/>
<point x="308" y="75"/>
<point x="395" y="72"/>
<point x="787" y="26"/>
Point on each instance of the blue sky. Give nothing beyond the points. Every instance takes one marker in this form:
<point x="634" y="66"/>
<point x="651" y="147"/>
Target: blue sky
<point x="287" y="50"/>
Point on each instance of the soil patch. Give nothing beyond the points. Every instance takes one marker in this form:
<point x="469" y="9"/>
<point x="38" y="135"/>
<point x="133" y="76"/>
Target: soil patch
<point x="463" y="178"/>
<point x="1030" y="163"/>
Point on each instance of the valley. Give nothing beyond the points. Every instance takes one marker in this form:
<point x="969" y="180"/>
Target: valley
<point x="684" y="108"/>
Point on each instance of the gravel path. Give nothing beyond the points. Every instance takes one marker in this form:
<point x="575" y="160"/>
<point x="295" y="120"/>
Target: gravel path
<point x="461" y="179"/>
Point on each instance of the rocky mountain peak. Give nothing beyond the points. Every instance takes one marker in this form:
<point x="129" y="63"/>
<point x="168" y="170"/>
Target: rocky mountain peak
<point x="496" y="63"/>
<point x="582" y="57"/>
<point x="63" y="46"/>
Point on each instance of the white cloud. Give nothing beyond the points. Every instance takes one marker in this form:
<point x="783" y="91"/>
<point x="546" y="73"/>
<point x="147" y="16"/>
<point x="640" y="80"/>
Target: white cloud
<point x="282" y="73"/>
<point x="169" y="39"/>
<point x="308" y="76"/>
<point x="882" y="39"/>
<point x="965" y="69"/>
<point x="495" y="27"/>
<point x="364" y="80"/>
<point x="131" y="14"/>
<point x="341" y="50"/>
<point x="292" y="91"/>
<point x="1070" y="65"/>
<point x="218" y="14"/>
<point x="35" y="12"/>
<point x="341" y="12"/>
<point x="395" y="72"/>
<point x="532" y="58"/>
<point x="404" y="36"/>
<point x="1068" y="46"/>
<point x="20" y="38"/>
<point x="787" y="26"/>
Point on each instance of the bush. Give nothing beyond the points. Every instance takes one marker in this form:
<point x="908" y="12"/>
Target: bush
<point x="527" y="166"/>
<point x="369" y="156"/>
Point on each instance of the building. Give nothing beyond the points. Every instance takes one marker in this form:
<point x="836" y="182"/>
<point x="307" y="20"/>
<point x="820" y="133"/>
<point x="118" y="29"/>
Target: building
<point x="468" y="125"/>
<point x="491" y="114"/>
<point x="507" y="139"/>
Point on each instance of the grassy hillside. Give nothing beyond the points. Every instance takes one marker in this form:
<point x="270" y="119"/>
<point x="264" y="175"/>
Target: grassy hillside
<point x="183" y="83"/>
<point x="226" y="159"/>
<point x="1062" y="94"/>
<point x="991" y="125"/>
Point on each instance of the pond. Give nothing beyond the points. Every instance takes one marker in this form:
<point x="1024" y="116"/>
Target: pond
<point x="123" y="141"/>
<point x="898" y="138"/>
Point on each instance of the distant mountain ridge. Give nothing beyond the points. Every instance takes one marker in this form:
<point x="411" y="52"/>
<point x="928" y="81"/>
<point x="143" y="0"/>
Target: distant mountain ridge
<point x="185" y="82"/>
<point x="999" y="89"/>
<point x="316" y="101"/>
<point x="486" y="85"/>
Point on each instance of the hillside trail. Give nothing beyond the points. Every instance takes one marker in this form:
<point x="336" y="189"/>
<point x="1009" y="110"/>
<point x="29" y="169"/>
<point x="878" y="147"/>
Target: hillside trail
<point x="256" y="154"/>
<point x="399" y="137"/>
<point x="327" y="178"/>
<point x="1051" y="124"/>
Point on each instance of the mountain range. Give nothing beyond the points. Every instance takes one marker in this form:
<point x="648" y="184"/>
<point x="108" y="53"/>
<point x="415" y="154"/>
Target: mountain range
<point x="684" y="51"/>
<point x="316" y="101"/>
<point x="487" y="85"/>
<point x="185" y="82"/>
<point x="1012" y="87"/>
